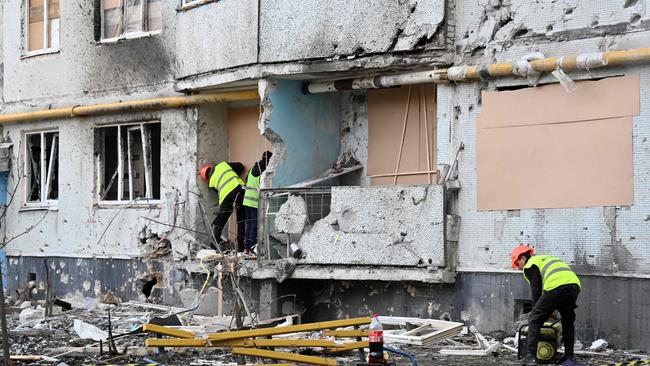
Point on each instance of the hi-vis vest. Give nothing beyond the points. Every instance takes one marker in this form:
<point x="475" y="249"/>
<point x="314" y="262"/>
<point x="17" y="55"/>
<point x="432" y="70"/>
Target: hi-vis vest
<point x="555" y="273"/>
<point x="224" y="180"/>
<point x="252" y="195"/>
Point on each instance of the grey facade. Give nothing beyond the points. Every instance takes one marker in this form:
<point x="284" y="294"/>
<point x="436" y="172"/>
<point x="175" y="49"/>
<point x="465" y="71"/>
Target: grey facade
<point x="451" y="261"/>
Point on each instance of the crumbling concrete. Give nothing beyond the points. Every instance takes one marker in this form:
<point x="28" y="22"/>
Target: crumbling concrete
<point x="328" y="29"/>
<point x="299" y="153"/>
<point x="354" y="135"/>
<point x="292" y="216"/>
<point x="399" y="226"/>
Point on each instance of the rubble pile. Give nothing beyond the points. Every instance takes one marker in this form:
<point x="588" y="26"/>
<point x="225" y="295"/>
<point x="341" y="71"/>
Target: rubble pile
<point x="87" y="334"/>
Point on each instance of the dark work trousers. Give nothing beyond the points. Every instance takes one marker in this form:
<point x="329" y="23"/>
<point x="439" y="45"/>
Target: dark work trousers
<point x="251" y="227"/>
<point x="562" y="299"/>
<point x="232" y="202"/>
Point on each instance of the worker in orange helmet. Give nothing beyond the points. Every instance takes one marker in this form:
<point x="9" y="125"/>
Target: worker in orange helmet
<point x="225" y="178"/>
<point x="554" y="287"/>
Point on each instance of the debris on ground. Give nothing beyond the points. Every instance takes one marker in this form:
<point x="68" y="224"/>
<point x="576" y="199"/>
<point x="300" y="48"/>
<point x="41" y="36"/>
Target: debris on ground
<point x="81" y="336"/>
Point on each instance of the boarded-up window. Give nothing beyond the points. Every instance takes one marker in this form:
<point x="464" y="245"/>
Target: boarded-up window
<point x="122" y="17"/>
<point x="42" y="34"/>
<point x="245" y="143"/>
<point x="546" y="148"/>
<point x="394" y="132"/>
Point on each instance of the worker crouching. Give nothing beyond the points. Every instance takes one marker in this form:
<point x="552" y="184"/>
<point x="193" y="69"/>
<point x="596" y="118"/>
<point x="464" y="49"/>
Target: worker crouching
<point x="225" y="178"/>
<point x="554" y="287"/>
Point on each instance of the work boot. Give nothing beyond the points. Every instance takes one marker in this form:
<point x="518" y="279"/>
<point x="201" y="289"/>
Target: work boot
<point x="528" y="360"/>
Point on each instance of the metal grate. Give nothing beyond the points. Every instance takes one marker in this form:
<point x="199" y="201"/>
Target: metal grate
<point x="318" y="200"/>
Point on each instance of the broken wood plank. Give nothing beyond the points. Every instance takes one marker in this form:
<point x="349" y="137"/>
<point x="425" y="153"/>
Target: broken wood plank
<point x="351" y="346"/>
<point x="353" y="333"/>
<point x="175" y="342"/>
<point x="158" y="329"/>
<point x="290" y="329"/>
<point x="323" y="178"/>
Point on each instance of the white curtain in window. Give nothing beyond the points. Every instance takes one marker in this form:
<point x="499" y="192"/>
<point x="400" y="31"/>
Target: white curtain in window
<point x="112" y="18"/>
<point x="134" y="9"/>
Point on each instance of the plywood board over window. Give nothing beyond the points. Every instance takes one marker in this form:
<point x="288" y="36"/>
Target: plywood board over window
<point x="546" y="148"/>
<point x="245" y="143"/>
<point x="402" y="135"/>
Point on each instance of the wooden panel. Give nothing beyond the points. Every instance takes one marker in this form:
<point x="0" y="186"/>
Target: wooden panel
<point x="36" y="36"/>
<point x="546" y="148"/>
<point x="607" y="98"/>
<point x="576" y="164"/>
<point x="386" y="110"/>
<point x="245" y="143"/>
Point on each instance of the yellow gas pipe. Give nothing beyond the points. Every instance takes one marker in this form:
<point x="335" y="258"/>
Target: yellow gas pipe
<point x="130" y="106"/>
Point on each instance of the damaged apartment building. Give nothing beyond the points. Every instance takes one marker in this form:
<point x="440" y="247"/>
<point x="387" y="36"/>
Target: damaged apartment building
<point x="415" y="142"/>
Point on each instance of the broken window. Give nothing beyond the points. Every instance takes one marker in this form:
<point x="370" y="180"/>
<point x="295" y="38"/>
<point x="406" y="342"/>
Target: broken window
<point x="42" y="25"/>
<point x="41" y="167"/>
<point x="128" y="162"/>
<point x="123" y="17"/>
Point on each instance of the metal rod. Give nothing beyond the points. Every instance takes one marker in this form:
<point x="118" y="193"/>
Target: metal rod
<point x="426" y="130"/>
<point x="401" y="145"/>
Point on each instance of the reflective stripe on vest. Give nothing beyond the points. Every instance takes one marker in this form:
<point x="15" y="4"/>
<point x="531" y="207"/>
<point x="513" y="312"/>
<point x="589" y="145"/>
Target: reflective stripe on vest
<point x="554" y="272"/>
<point x="252" y="195"/>
<point x="224" y="180"/>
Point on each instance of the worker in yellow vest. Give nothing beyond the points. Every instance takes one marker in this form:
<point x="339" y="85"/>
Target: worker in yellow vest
<point x="251" y="201"/>
<point x="225" y="178"/>
<point x="554" y="287"/>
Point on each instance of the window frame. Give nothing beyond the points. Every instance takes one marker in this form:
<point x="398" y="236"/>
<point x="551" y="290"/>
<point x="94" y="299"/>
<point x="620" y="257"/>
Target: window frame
<point x="45" y="50"/>
<point x="191" y="4"/>
<point x="26" y="176"/>
<point x="124" y="35"/>
<point x="99" y="168"/>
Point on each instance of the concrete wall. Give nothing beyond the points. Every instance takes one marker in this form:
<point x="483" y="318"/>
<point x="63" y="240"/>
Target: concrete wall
<point x="390" y="226"/>
<point x="78" y="226"/>
<point x="497" y="25"/>
<point x="84" y="65"/>
<point x="291" y="30"/>
<point x="303" y="129"/>
<point x="216" y="36"/>
<point x="597" y="239"/>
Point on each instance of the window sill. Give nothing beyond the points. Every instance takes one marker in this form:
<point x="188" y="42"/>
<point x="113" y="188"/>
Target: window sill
<point x="127" y="36"/>
<point x="47" y="51"/>
<point x="194" y="4"/>
<point x="36" y="207"/>
<point x="130" y="204"/>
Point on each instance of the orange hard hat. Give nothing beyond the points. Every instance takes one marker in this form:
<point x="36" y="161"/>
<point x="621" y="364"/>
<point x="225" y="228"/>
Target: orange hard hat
<point x="518" y="251"/>
<point x="204" y="171"/>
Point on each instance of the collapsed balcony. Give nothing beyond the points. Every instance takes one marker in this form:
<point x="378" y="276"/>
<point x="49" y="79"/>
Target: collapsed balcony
<point x="352" y="188"/>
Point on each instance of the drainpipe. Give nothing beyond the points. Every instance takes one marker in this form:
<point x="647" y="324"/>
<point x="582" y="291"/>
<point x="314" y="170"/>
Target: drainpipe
<point x="585" y="61"/>
<point x="130" y="106"/>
